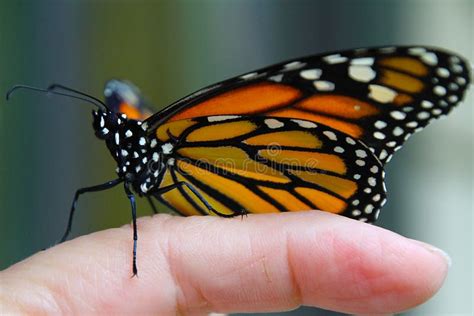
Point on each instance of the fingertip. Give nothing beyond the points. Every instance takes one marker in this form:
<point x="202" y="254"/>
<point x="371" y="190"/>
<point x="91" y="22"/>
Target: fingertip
<point x="362" y="268"/>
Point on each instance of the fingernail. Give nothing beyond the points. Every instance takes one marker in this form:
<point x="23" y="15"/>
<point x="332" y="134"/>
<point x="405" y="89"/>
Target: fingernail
<point x="435" y="250"/>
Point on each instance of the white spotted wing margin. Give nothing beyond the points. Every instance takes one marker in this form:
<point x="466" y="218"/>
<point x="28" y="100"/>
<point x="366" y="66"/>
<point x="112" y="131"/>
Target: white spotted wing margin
<point x="303" y="166"/>
<point x="406" y="88"/>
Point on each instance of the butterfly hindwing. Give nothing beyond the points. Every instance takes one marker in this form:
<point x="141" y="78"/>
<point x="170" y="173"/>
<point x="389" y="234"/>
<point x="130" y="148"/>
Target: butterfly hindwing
<point x="267" y="164"/>
<point x="379" y="96"/>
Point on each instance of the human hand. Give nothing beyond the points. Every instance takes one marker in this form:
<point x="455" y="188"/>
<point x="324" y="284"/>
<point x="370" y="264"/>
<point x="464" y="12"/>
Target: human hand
<point x="197" y="265"/>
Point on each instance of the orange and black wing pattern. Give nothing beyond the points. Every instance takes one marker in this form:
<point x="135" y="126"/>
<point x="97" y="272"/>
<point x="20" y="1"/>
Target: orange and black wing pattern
<point x="380" y="96"/>
<point x="267" y="164"/>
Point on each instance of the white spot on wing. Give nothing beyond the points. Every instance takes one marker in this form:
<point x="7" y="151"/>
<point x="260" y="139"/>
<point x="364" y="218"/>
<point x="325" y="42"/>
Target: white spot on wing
<point x="274" y="123"/>
<point x="374" y="169"/>
<point x="430" y="58"/>
<point x="398" y="115"/>
<point x="439" y="90"/>
<point x="442" y="72"/>
<point x="379" y="135"/>
<point x="361" y="153"/>
<point x="456" y="68"/>
<point x="294" y="65"/>
<point x="397" y="131"/>
<point x="453" y="86"/>
<point x="218" y="118"/>
<point x="338" y="149"/>
<point x="368" y="209"/>
<point x="423" y="115"/>
<point x="334" y="59"/>
<point x="461" y="81"/>
<point x="249" y="75"/>
<point x="311" y="74"/>
<point x="364" y="61"/>
<point x="323" y="85"/>
<point x="426" y="104"/>
<point x="167" y="148"/>
<point x="330" y="135"/>
<point x="381" y="94"/>
<point x="436" y="111"/>
<point x="305" y="124"/>
<point x="453" y="98"/>
<point x="276" y="78"/>
<point x="360" y="162"/>
<point x="416" y="51"/>
<point x="412" y="124"/>
<point x="361" y="73"/>
<point x="350" y="141"/>
<point x="380" y="124"/>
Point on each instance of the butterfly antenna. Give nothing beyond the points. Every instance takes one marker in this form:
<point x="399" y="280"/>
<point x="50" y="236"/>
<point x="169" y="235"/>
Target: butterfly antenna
<point x="91" y="100"/>
<point x="56" y="86"/>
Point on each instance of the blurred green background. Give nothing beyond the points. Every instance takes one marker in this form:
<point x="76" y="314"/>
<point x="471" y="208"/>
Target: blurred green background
<point x="171" y="48"/>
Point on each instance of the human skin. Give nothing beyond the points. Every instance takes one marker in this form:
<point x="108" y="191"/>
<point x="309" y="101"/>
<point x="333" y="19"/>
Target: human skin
<point x="198" y="265"/>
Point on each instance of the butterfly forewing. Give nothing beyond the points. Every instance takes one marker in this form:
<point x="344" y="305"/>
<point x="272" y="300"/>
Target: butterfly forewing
<point x="379" y="96"/>
<point x="267" y="164"/>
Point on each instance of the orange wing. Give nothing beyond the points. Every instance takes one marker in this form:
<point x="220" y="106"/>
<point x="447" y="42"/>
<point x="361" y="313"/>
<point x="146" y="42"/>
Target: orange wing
<point x="379" y="96"/>
<point x="263" y="165"/>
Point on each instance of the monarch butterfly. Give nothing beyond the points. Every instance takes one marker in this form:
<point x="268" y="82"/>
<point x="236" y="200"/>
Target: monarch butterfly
<point x="310" y="133"/>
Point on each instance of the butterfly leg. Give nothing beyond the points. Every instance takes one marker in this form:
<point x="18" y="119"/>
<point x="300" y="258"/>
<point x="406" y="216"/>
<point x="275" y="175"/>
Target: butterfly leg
<point x="95" y="188"/>
<point x="198" y="195"/>
<point x="131" y="198"/>
<point x="152" y="204"/>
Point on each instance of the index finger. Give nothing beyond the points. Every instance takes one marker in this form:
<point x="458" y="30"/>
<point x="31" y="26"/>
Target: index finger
<point x="203" y="264"/>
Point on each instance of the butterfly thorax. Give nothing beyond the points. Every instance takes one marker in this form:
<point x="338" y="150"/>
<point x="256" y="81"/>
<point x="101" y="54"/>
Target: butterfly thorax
<point x="139" y="159"/>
